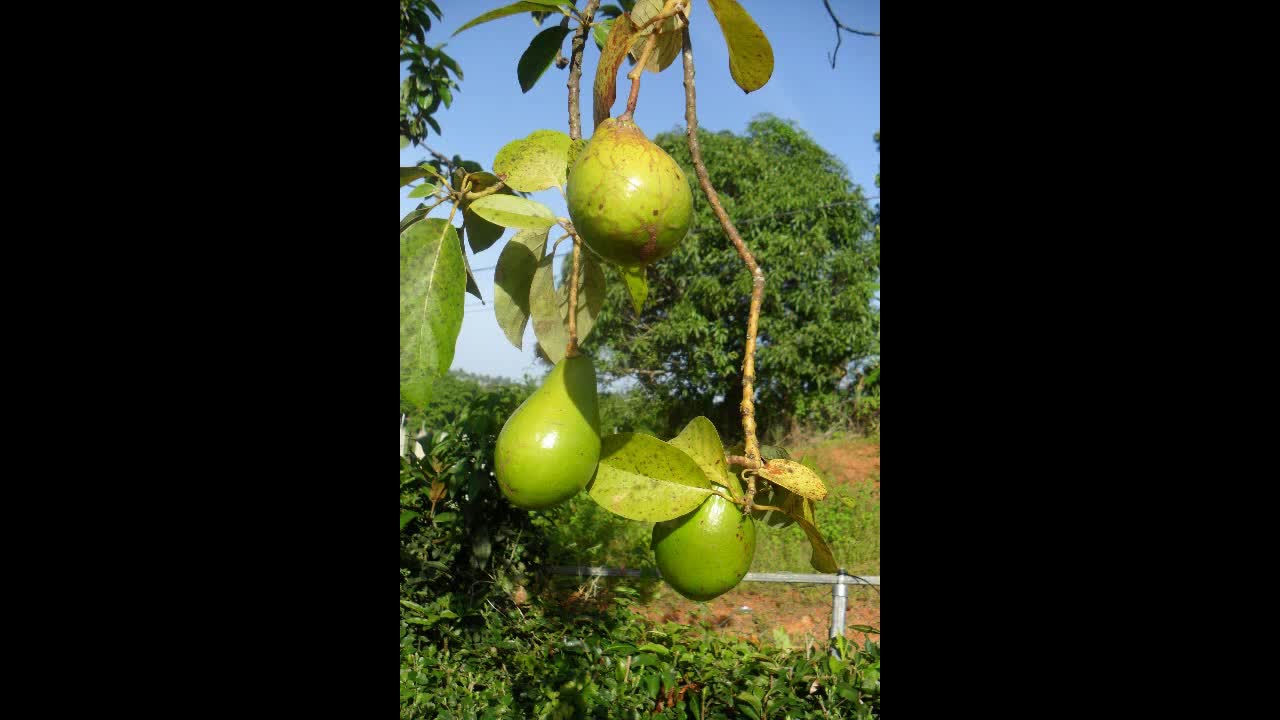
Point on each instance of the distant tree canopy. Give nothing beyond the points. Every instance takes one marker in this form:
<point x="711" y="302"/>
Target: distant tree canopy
<point x="813" y="233"/>
<point x="432" y="77"/>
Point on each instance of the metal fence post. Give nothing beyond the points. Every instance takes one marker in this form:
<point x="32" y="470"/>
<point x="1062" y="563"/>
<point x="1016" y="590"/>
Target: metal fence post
<point x="839" y="598"/>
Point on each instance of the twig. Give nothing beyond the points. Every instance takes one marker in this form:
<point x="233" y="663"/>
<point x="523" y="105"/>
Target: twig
<point x="575" y="133"/>
<point x="635" y="74"/>
<point x="572" y="349"/>
<point x="670" y="9"/>
<point x="841" y="26"/>
<point x="747" y="408"/>
<point x="575" y="68"/>
<point x="439" y="156"/>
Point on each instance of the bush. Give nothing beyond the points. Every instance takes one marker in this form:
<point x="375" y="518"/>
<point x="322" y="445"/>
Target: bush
<point x="484" y="635"/>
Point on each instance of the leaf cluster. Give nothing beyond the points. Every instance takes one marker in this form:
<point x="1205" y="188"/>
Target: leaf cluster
<point x="433" y="74"/>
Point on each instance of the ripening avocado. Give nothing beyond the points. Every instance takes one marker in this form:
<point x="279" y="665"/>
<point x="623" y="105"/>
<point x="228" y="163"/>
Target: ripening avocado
<point x="548" y="449"/>
<point x="706" y="553"/>
<point x="628" y="199"/>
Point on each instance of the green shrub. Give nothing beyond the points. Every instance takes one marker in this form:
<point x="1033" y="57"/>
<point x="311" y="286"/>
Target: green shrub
<point x="484" y="634"/>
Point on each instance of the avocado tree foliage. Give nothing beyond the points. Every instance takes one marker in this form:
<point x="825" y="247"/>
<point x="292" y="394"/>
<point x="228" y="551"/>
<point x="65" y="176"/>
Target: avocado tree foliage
<point x="634" y="475"/>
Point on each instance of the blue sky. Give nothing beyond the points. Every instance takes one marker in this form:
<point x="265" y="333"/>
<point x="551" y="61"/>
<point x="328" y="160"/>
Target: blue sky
<point x="839" y="108"/>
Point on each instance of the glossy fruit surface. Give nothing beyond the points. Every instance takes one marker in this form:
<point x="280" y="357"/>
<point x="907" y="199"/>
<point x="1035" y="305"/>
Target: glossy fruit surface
<point x="548" y="449"/>
<point x="706" y="553"/>
<point x="627" y="197"/>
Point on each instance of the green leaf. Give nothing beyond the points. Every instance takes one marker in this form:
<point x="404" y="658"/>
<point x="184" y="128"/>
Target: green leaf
<point x="822" y="559"/>
<point x="414" y="216"/>
<point x="514" y="212"/>
<point x="409" y="174"/>
<point x="539" y="55"/>
<point x="750" y="700"/>
<point x="795" y="477"/>
<point x="482" y="234"/>
<point x="606" y="85"/>
<point x="654" y="648"/>
<point x="432" y="282"/>
<point x="472" y="287"/>
<point x="511" y="281"/>
<point x="700" y="441"/>
<point x="750" y="55"/>
<point x="445" y="518"/>
<point x="590" y="297"/>
<point x="600" y="32"/>
<point x="513" y="9"/>
<point x="642" y="478"/>
<point x="645" y="659"/>
<point x="544" y="307"/>
<point x="423" y="190"/>
<point x="404" y="143"/>
<point x="406" y="516"/>
<point x="552" y="3"/>
<point x="637" y="286"/>
<point x="538" y="162"/>
<point x="864" y="629"/>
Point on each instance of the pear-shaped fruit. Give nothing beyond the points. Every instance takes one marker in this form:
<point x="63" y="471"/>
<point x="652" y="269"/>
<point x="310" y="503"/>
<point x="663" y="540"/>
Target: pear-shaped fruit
<point x="706" y="553"/>
<point x="628" y="199"/>
<point x="549" y="447"/>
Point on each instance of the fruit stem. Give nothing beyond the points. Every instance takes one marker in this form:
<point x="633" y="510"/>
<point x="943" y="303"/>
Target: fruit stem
<point x="747" y="408"/>
<point x="668" y="10"/>
<point x="572" y="349"/>
<point x="575" y="68"/>
<point x="634" y="76"/>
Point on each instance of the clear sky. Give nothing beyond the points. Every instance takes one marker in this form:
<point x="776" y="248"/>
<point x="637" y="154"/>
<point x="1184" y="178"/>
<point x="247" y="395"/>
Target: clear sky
<point x="839" y="108"/>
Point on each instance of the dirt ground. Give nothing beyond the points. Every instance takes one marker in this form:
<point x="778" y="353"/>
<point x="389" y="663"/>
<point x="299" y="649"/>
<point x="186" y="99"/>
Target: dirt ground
<point x="804" y="613"/>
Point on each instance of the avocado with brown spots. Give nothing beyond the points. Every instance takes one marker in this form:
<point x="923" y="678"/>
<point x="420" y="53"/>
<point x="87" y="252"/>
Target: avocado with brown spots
<point x="627" y="197"/>
<point x="549" y="448"/>
<point x="706" y="553"/>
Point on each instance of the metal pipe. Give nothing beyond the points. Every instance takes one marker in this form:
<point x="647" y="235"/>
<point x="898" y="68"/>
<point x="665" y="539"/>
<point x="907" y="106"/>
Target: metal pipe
<point x="805" y="578"/>
<point x="839" y="598"/>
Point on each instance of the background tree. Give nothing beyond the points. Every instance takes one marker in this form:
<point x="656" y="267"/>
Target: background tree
<point x="814" y="231"/>
<point x="432" y="73"/>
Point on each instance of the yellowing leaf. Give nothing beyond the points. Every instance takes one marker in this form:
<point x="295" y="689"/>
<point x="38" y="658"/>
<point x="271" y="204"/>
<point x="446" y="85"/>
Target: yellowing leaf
<point x="750" y="55"/>
<point x="795" y="477"/>
<point x="535" y="163"/>
<point x="615" y="49"/>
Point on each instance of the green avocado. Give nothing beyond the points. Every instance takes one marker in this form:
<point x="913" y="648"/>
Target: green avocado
<point x="627" y="197"/>
<point x="549" y="448"/>
<point x="706" y="553"/>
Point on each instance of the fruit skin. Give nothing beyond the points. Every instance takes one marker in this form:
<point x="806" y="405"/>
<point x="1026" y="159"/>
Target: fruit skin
<point x="706" y="553"/>
<point x="549" y="448"/>
<point x="628" y="199"/>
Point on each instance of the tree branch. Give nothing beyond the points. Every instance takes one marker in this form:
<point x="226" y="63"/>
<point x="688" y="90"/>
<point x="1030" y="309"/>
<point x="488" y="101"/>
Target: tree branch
<point x="747" y="408"/>
<point x="841" y="26"/>
<point x="575" y="68"/>
<point x="572" y="349"/>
